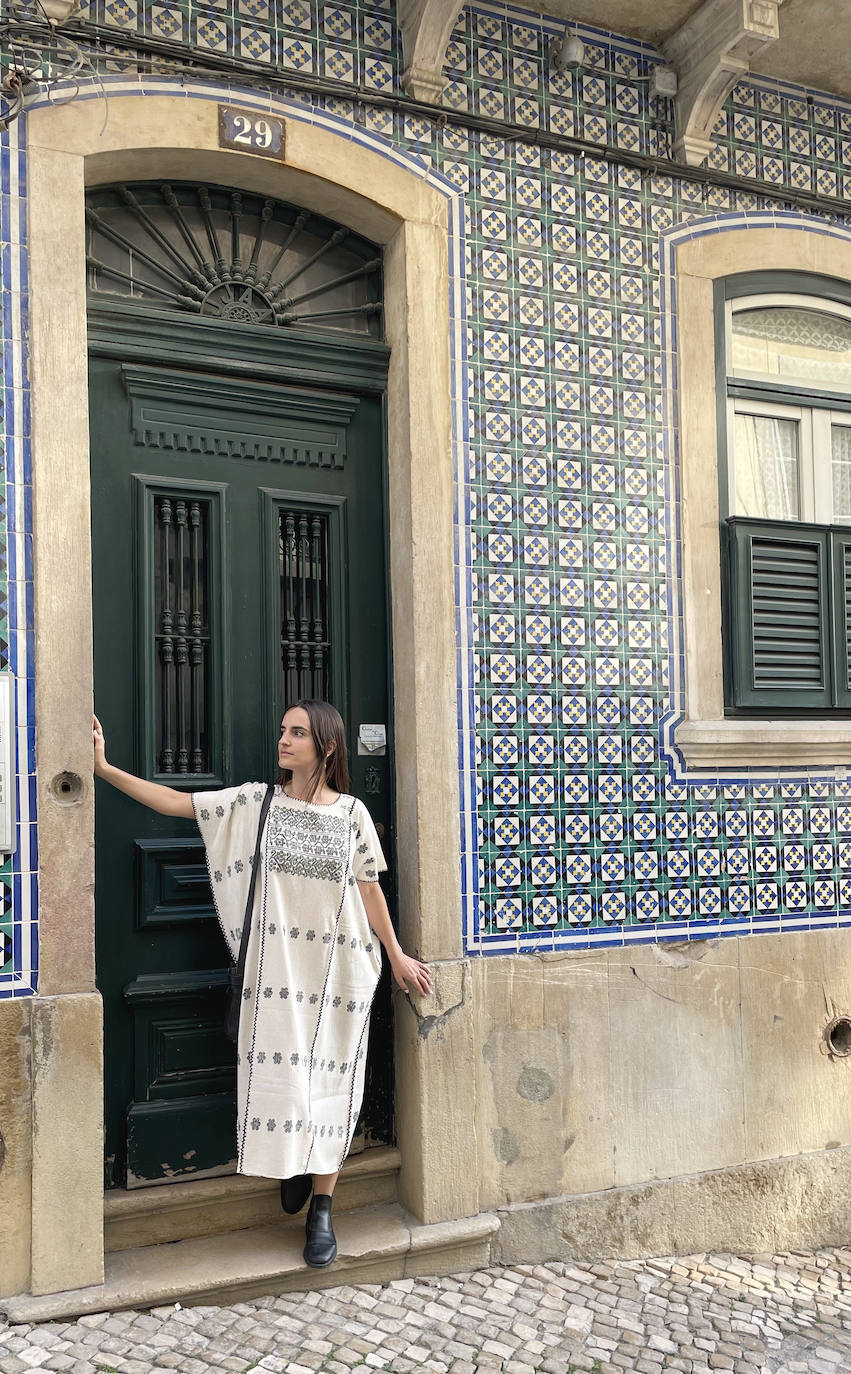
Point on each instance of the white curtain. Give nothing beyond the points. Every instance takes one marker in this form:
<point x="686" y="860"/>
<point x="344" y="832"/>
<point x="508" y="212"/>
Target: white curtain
<point x="840" y="436"/>
<point x="766" y="467"/>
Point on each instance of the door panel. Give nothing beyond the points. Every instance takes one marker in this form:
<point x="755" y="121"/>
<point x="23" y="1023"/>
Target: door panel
<point x="181" y="616"/>
<point x="171" y="883"/>
<point x="237" y="562"/>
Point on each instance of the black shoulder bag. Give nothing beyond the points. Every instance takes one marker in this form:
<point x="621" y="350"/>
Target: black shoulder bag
<point x="233" y="994"/>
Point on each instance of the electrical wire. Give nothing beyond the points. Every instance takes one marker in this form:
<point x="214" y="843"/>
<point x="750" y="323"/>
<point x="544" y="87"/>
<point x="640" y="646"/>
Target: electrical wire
<point x="39" y="59"/>
<point x="184" y="60"/>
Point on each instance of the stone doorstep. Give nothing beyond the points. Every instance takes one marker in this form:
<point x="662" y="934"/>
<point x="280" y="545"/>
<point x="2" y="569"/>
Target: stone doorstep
<point x="215" y="1206"/>
<point x="375" y="1244"/>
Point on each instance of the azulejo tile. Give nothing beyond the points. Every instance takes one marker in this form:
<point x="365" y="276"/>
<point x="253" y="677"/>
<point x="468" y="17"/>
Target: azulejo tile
<point x="297" y="54"/>
<point x="337" y="24"/>
<point x="455" y="95"/>
<point x="570" y="593"/>
<point x="123" y="13"/>
<point x="167" y="21"/>
<point x="543" y="870"/>
<point x="709" y="902"/>
<point x="377" y="33"/>
<point x="6" y="950"/>
<point x="257" y="44"/>
<point x="546" y="911"/>
<point x="614" y="908"/>
<point x="543" y="831"/>
<point x="488" y="27"/>
<point x="824" y="894"/>
<point x="491" y="103"/>
<point x="796" y="895"/>
<point x="297" y="14"/>
<point x="378" y="74"/>
<point x="379" y="121"/>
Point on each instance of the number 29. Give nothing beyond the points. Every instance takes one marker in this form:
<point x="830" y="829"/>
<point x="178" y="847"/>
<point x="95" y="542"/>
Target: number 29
<point x="252" y="133"/>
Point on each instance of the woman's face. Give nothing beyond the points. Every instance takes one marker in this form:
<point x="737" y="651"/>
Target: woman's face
<point x="296" y="749"/>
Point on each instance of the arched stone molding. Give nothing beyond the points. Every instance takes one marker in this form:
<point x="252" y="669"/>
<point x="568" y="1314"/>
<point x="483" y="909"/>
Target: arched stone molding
<point x="694" y="257"/>
<point x="711" y="51"/>
<point x="426" y="27"/>
<point x="357" y="179"/>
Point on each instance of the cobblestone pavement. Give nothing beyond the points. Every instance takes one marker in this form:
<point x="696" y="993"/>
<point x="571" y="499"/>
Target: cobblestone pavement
<point x="787" y="1314"/>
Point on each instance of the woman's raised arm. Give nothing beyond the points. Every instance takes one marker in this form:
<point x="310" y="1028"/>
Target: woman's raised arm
<point x="166" y="800"/>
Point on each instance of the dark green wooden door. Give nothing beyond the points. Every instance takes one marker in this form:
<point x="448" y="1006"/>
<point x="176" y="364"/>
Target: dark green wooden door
<point x="238" y="561"/>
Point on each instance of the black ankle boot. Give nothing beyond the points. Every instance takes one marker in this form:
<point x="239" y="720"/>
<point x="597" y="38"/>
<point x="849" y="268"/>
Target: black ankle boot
<point x="295" y="1191"/>
<point x="321" y="1247"/>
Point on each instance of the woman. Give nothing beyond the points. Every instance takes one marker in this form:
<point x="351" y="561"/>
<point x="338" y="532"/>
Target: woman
<point x="312" y="964"/>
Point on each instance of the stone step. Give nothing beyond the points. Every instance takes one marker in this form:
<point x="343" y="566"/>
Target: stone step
<point x="375" y="1244"/>
<point x="216" y="1206"/>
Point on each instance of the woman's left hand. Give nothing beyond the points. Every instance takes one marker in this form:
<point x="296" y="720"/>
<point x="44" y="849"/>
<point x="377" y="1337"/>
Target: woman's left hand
<point x="407" y="970"/>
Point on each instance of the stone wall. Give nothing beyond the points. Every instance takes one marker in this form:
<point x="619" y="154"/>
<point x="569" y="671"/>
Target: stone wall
<point x="602" y="1070"/>
<point x="15" y="1145"/>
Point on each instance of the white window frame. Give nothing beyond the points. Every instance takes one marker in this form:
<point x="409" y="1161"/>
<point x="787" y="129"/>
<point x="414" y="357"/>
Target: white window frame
<point x="801" y="416"/>
<point x="815" y="454"/>
<point x="815" y="475"/>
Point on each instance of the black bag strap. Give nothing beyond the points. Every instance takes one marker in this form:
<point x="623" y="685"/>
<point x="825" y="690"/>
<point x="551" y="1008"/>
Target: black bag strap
<point x="249" y="906"/>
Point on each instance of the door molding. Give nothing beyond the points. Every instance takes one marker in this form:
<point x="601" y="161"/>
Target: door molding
<point x="280" y="354"/>
<point x="338" y="170"/>
<point x="181" y="411"/>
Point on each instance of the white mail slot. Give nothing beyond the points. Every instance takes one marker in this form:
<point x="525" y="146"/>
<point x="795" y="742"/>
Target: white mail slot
<point x="372" y="739"/>
<point x="7" y="763"/>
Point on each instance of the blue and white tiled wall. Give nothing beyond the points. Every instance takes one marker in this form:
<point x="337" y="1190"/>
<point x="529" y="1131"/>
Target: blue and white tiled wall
<point x="18" y="942"/>
<point x="579" y="825"/>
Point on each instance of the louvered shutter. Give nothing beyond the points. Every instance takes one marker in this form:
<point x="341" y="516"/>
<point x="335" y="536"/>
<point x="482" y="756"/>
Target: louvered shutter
<point x="778" y="612"/>
<point x="841" y="551"/>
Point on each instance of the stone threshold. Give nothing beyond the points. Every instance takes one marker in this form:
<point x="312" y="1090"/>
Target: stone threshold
<point x="375" y="1244"/>
<point x="215" y="1206"/>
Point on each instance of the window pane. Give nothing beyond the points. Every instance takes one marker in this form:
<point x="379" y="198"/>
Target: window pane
<point x="840" y="436"/>
<point x="766" y="467"/>
<point x="792" y="345"/>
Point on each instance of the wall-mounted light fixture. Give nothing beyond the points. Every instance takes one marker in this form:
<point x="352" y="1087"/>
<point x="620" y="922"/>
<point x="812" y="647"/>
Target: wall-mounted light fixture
<point x="569" y="54"/>
<point x="57" y="11"/>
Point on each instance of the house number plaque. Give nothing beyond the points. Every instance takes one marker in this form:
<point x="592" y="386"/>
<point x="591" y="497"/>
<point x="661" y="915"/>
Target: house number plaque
<point x="251" y="132"/>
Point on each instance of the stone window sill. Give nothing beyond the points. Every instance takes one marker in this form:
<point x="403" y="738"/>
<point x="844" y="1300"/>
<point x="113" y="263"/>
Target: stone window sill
<point x="739" y="743"/>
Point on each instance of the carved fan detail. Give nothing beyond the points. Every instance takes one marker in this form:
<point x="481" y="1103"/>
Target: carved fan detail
<point x="231" y="255"/>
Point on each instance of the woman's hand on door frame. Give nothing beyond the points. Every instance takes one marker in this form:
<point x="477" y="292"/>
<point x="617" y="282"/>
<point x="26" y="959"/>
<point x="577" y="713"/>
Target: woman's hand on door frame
<point x="408" y="970"/>
<point x="405" y="969"/>
<point x="100" y="747"/>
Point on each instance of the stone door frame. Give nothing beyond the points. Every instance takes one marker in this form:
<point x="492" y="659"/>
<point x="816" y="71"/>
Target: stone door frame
<point x="346" y="175"/>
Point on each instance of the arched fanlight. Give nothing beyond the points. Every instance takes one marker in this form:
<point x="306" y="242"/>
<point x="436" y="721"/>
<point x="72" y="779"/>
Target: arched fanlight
<point x="231" y="255"/>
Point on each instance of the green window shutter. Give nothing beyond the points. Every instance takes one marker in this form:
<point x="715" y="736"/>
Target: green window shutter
<point x="841" y="553"/>
<point x="778" y="613"/>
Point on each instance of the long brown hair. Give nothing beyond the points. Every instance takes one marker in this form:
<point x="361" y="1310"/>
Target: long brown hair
<point x="329" y="737"/>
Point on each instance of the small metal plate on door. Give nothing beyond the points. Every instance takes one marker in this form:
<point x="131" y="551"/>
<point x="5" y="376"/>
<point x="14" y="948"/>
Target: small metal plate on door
<point x="372" y="739"/>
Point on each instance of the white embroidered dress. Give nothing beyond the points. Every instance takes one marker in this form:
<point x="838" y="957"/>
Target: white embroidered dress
<point x="311" y="970"/>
